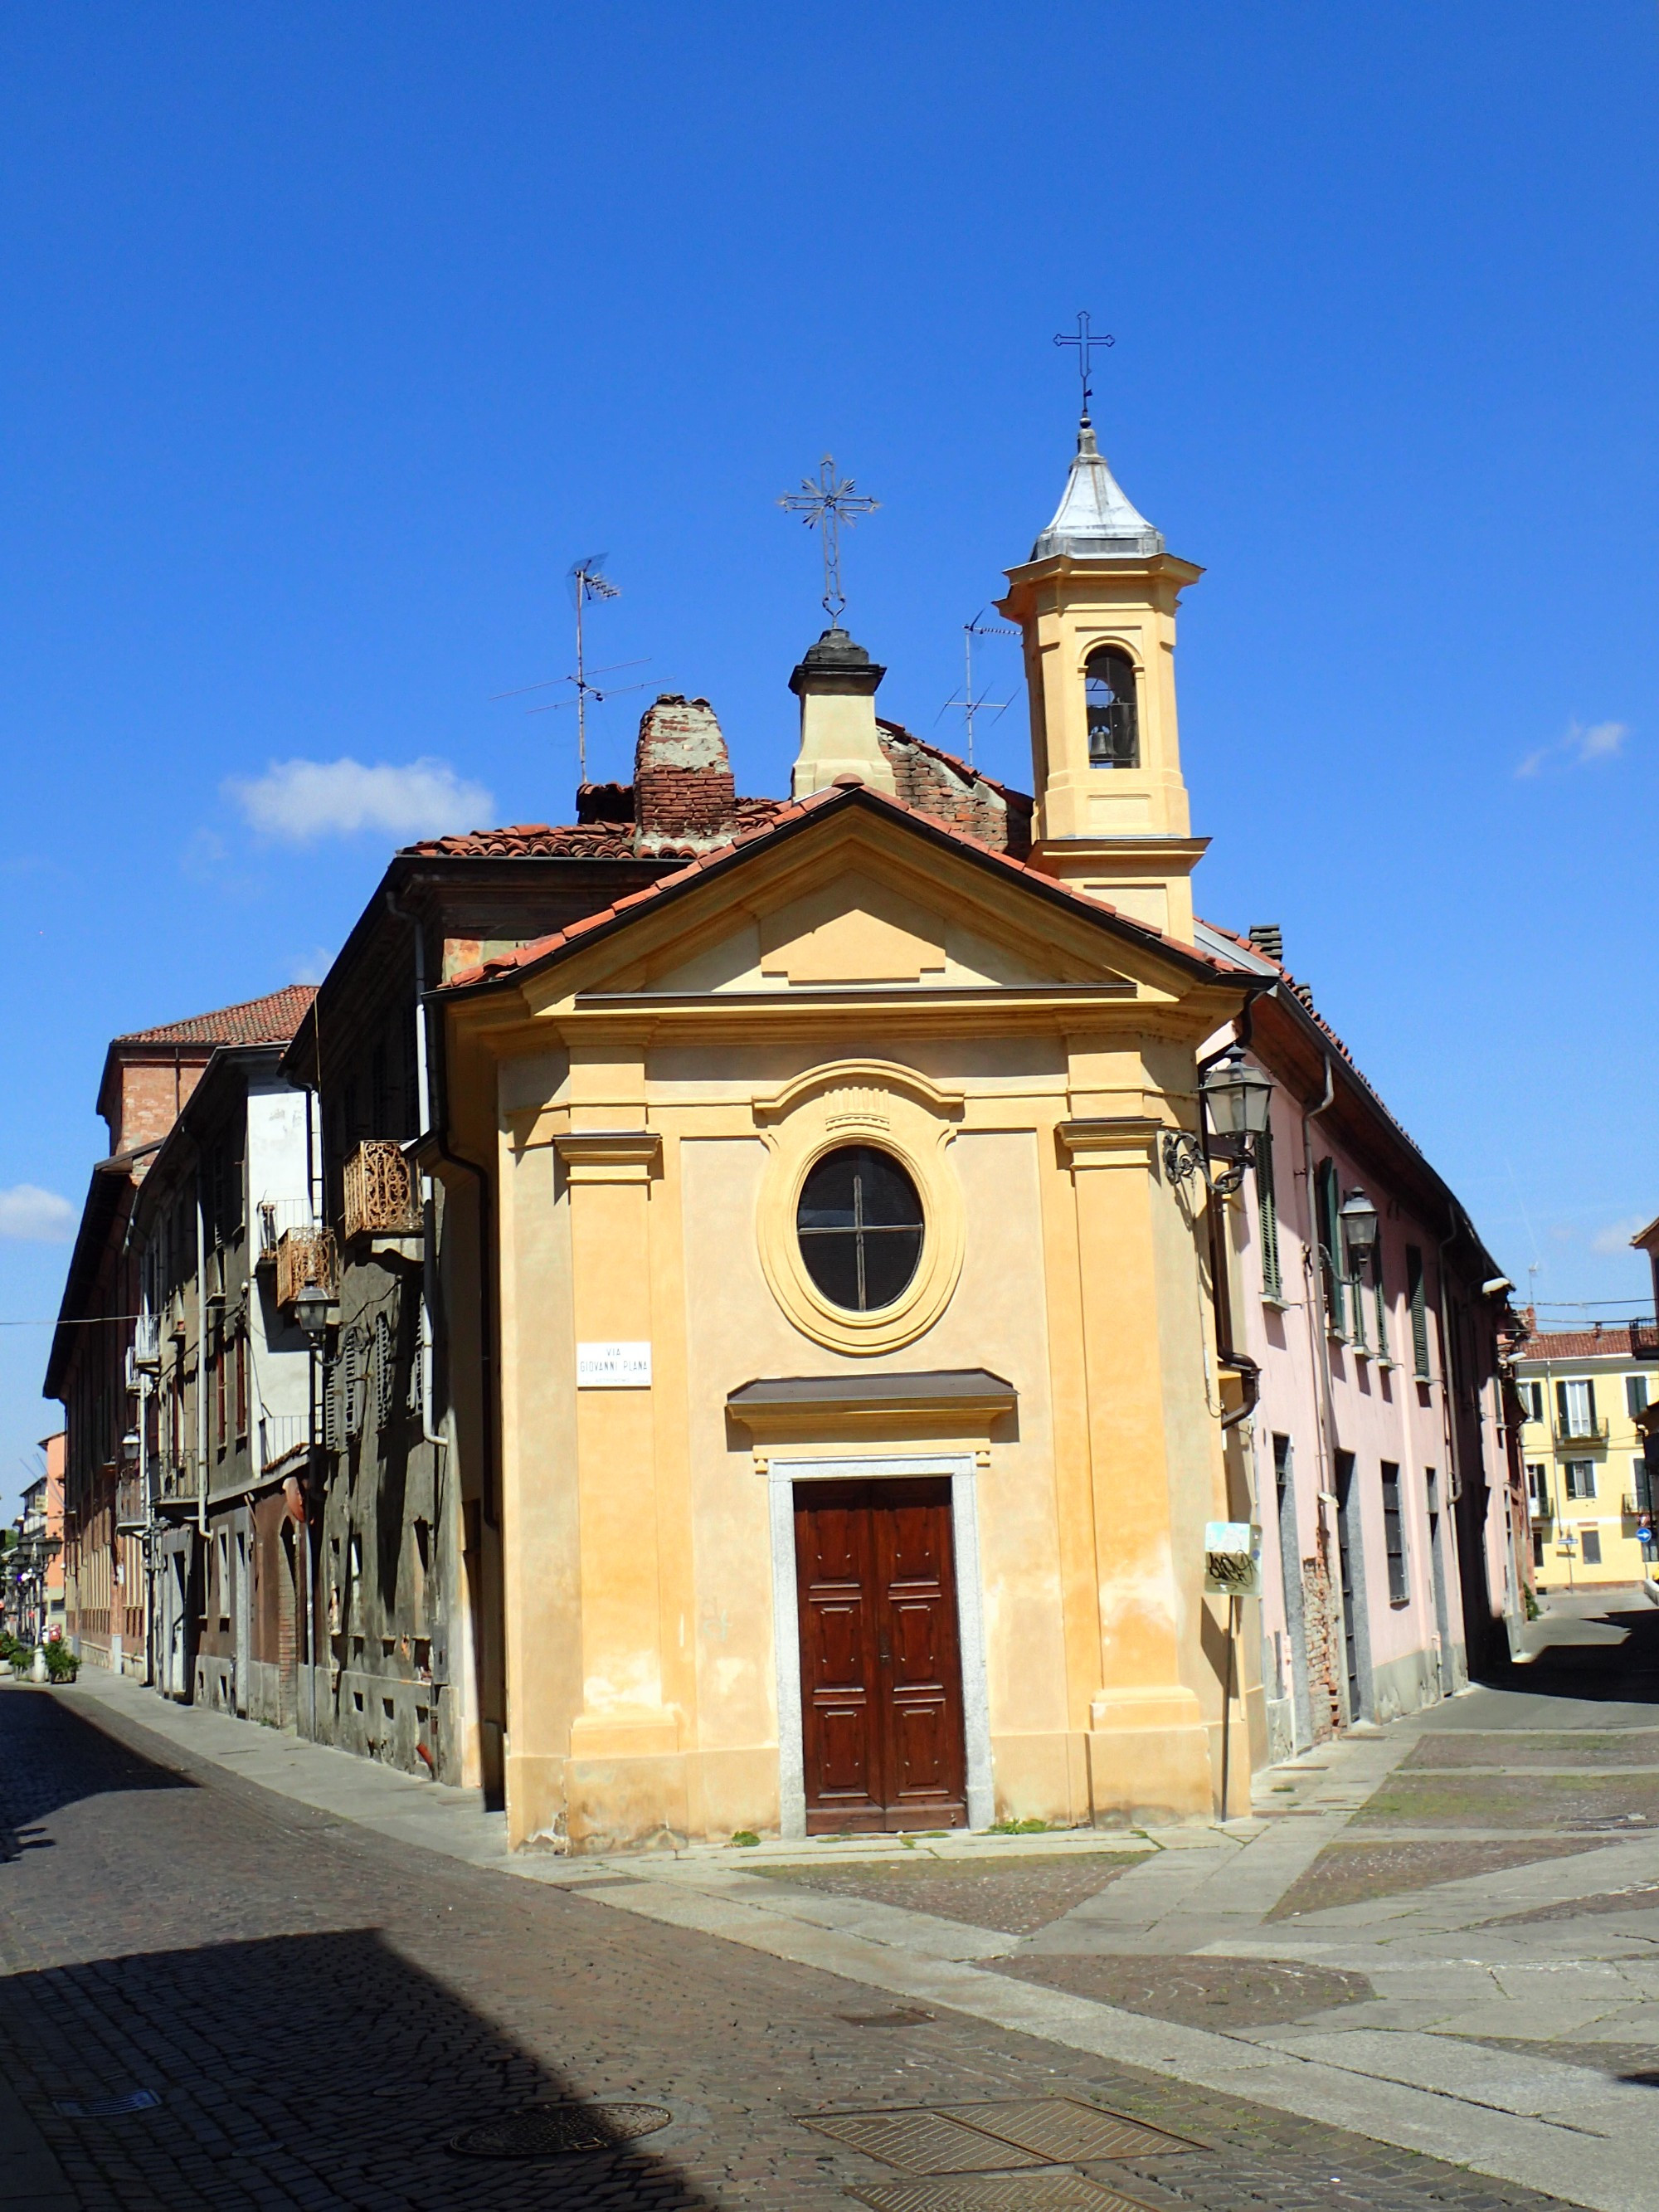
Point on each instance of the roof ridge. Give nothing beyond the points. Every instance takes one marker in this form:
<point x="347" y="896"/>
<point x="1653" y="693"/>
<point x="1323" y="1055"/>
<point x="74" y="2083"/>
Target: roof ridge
<point x="236" y="1023"/>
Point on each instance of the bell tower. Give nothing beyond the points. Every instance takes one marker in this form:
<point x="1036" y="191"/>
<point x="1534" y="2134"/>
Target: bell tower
<point x="1095" y="604"/>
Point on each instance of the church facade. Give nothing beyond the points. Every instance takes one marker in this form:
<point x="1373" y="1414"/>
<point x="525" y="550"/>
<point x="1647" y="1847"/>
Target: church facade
<point x="858" y="1409"/>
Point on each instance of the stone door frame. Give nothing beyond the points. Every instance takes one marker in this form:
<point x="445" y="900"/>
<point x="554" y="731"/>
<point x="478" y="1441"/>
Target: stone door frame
<point x="781" y="1476"/>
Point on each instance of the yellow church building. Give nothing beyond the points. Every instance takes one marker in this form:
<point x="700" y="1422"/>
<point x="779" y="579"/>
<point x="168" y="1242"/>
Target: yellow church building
<point x="860" y="1410"/>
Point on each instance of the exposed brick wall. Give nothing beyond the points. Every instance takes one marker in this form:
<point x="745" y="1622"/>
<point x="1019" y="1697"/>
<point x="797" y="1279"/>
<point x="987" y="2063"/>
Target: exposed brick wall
<point x="1325" y="1654"/>
<point x="685" y="799"/>
<point x="938" y="784"/>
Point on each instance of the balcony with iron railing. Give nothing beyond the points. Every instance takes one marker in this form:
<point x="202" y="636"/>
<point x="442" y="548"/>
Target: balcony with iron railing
<point x="277" y="1218"/>
<point x="381" y="1195"/>
<point x="304" y="1257"/>
<point x="1585" y="1429"/>
<point x="281" y="1435"/>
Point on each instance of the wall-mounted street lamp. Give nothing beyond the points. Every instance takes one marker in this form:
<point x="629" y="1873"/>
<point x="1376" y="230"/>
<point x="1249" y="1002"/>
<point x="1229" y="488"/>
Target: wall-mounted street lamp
<point x="316" y="1311"/>
<point x="1233" y="1101"/>
<point x="1359" y="1219"/>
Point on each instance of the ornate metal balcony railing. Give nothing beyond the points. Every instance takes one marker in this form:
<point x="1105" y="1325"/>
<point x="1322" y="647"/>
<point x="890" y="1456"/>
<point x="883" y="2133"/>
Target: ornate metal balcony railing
<point x="305" y="1256"/>
<point x="381" y="1196"/>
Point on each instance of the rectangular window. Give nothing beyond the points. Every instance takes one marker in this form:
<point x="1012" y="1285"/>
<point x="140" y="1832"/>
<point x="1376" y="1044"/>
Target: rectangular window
<point x="1635" y="1394"/>
<point x="1417" y="1298"/>
<point x="1394" y="1534"/>
<point x="1575" y="1408"/>
<point x="1581" y="1478"/>
<point x="1639" y="1485"/>
<point x="1538" y="1550"/>
<point x="1266" y="1209"/>
<point x="1591" y="1538"/>
<point x="1538" y="1486"/>
<point x="1532" y="1400"/>
<point x="242" y="1383"/>
<point x="1330" y="1253"/>
<point x="219" y="1390"/>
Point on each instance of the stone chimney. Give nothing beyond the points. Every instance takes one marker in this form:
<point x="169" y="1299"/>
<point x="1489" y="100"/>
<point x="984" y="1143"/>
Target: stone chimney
<point x="837" y="685"/>
<point x="684" y="794"/>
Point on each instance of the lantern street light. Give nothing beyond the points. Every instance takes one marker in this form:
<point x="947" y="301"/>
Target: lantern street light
<point x="316" y="1312"/>
<point x="1233" y="1102"/>
<point x="1359" y="1219"/>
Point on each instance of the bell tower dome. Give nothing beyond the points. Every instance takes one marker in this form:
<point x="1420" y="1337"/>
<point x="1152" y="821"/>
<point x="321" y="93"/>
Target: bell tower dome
<point x="1096" y="605"/>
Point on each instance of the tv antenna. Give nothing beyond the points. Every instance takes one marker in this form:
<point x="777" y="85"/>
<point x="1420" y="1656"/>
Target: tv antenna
<point x="824" y="504"/>
<point x="587" y="581"/>
<point x="1087" y="342"/>
<point x="971" y="702"/>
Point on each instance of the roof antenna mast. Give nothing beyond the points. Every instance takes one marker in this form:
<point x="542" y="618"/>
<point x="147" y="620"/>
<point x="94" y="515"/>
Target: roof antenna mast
<point x="587" y="581"/>
<point x="970" y="703"/>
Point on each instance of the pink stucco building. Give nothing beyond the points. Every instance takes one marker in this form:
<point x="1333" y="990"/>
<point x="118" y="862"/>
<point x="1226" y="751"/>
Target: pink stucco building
<point x="1382" y="1438"/>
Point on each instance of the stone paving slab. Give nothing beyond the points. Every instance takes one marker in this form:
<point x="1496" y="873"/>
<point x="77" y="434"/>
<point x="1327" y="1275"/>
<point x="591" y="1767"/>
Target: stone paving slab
<point x="1013" y="1898"/>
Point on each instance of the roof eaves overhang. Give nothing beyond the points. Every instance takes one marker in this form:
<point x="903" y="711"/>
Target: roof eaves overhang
<point x="1201" y="967"/>
<point x="1280" y="1018"/>
<point x="112" y="1181"/>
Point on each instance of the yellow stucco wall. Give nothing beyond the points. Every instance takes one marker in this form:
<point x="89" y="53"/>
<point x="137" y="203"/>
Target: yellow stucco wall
<point x="645" y="1104"/>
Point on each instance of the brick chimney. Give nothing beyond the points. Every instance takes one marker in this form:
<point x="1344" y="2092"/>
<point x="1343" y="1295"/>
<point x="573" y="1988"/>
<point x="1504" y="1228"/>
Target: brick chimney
<point x="684" y="794"/>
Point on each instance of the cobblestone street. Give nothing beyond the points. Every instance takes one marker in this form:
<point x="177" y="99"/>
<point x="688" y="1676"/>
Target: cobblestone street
<point x="317" y="2010"/>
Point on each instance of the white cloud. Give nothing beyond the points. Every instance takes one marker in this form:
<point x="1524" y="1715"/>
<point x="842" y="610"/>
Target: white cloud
<point x="35" y="1216"/>
<point x="1616" y="1236"/>
<point x="299" y="800"/>
<point x="312" y="966"/>
<point x="1601" y="741"/>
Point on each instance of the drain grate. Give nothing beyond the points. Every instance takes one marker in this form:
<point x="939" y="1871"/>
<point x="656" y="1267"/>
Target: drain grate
<point x="1018" y="2192"/>
<point x="106" y="2108"/>
<point x="1062" y="2130"/>
<point x="553" y="2130"/>
<point x="922" y="2142"/>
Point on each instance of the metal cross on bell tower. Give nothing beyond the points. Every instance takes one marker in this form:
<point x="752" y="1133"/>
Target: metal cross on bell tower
<point x="824" y="505"/>
<point x="1086" y="342"/>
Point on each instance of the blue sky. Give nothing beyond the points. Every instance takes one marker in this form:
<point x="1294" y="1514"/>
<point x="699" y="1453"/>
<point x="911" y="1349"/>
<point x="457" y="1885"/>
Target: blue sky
<point x="334" y="336"/>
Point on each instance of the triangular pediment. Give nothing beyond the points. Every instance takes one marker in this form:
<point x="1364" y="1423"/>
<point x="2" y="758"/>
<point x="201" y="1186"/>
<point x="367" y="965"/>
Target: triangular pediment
<point x="858" y="896"/>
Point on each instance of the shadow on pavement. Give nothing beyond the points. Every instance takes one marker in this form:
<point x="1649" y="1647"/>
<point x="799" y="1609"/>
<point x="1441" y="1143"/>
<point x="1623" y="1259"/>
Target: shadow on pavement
<point x="318" y="2069"/>
<point x="53" y="1756"/>
<point x="1587" y="1649"/>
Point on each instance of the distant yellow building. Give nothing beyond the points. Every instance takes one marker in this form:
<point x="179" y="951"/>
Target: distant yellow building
<point x="1591" y="1511"/>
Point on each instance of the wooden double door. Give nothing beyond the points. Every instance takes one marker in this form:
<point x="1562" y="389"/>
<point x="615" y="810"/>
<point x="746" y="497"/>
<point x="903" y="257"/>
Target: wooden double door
<point x="880" y="1659"/>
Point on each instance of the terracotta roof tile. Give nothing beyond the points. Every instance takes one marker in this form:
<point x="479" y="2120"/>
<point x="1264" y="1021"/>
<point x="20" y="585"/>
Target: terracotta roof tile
<point x="1558" y="1344"/>
<point x="787" y="810"/>
<point x="569" y="840"/>
<point x="270" y="1020"/>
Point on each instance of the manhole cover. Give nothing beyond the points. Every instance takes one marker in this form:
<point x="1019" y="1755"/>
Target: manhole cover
<point x="106" y="2108"/>
<point x="924" y="2142"/>
<point x="1018" y="2192"/>
<point x="551" y="2130"/>
<point x="1064" y="2131"/>
<point x="900" y="2016"/>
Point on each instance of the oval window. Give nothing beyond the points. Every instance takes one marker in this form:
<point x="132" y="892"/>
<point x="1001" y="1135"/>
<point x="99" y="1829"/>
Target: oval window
<point x="859" y="1225"/>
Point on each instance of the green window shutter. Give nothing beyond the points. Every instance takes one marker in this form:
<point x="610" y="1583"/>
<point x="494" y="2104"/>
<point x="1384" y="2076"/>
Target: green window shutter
<point x="1561" y="1409"/>
<point x="1590" y="1399"/>
<point x="1417" y="1300"/>
<point x="1329" y="1255"/>
<point x="1266" y="1202"/>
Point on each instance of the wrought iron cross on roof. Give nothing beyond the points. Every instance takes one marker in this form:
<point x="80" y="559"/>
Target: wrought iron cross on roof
<point x="824" y="505"/>
<point x="1086" y="342"/>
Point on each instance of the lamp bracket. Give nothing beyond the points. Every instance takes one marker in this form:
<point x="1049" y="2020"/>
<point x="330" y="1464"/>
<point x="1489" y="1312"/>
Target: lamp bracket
<point x="1185" y="1158"/>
